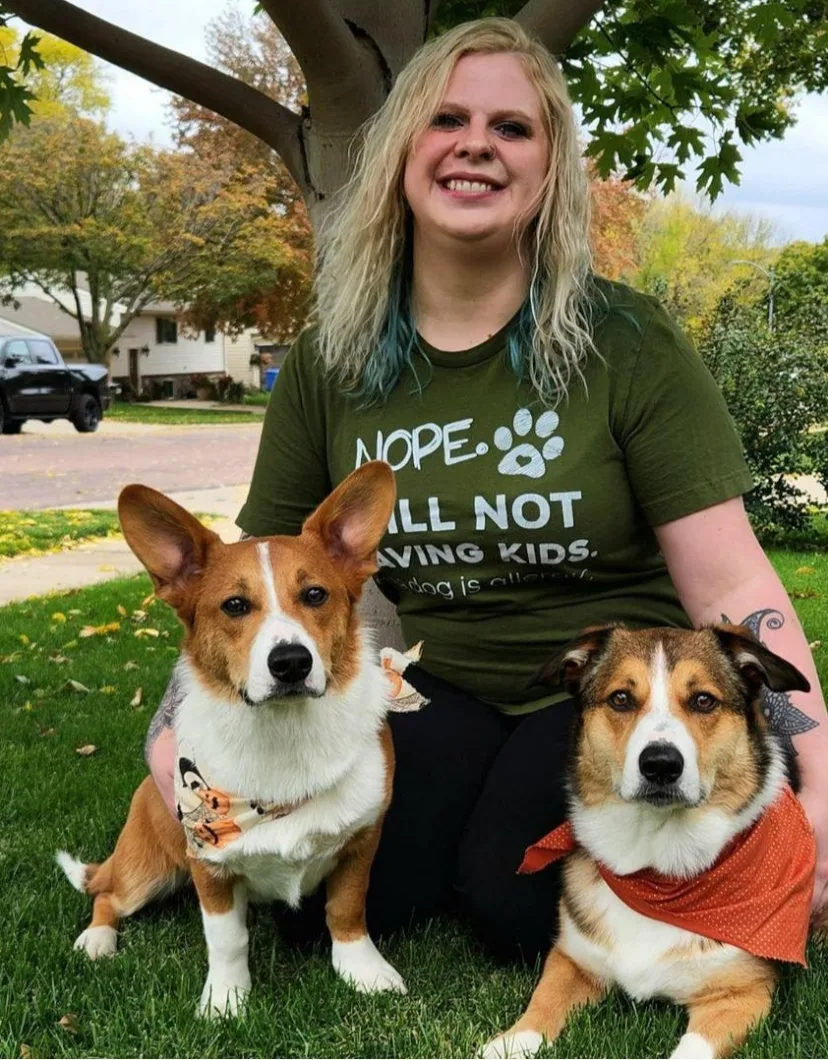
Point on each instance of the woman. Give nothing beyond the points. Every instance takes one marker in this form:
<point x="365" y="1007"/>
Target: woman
<point x="563" y="458"/>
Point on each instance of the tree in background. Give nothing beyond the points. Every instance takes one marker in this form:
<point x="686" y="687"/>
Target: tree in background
<point x="687" y="254"/>
<point x="643" y="71"/>
<point x="69" y="81"/>
<point x="617" y="213"/>
<point x="775" y="384"/>
<point x="82" y="210"/>
<point x="801" y="287"/>
<point x="251" y="48"/>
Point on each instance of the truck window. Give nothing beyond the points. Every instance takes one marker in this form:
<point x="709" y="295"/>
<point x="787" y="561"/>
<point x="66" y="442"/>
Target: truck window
<point x="43" y="352"/>
<point x="18" y="349"/>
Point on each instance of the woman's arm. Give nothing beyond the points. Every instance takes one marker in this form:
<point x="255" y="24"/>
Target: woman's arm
<point x="721" y="574"/>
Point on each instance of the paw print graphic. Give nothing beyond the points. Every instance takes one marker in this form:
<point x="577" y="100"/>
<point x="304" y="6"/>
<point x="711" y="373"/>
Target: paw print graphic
<point x="530" y="457"/>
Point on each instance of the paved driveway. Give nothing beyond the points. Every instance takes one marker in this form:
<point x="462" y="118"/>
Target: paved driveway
<point x="52" y="465"/>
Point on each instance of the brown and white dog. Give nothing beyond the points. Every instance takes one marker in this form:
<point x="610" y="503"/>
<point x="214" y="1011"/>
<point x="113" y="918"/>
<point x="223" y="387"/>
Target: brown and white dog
<point x="285" y="760"/>
<point x="690" y="862"/>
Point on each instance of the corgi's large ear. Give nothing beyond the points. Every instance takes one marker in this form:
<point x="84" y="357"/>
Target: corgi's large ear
<point x="756" y="663"/>
<point x="353" y="519"/>
<point x="569" y="666"/>
<point x="171" y="543"/>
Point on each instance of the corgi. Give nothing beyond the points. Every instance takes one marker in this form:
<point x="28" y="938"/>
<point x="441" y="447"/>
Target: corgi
<point x="285" y="762"/>
<point x="690" y="863"/>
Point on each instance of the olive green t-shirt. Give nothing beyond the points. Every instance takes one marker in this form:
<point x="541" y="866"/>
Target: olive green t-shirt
<point x="515" y="525"/>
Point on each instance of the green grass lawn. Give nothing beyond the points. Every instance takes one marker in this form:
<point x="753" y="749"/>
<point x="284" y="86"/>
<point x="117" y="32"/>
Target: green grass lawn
<point x="142" y="1002"/>
<point x="45" y="530"/>
<point x="257" y="397"/>
<point x="126" y="413"/>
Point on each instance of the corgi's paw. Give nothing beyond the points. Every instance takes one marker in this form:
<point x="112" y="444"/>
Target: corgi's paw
<point x="694" y="1047"/>
<point x="97" y="942"/>
<point x="362" y="965"/>
<point x="513" y="1044"/>
<point x="220" y="999"/>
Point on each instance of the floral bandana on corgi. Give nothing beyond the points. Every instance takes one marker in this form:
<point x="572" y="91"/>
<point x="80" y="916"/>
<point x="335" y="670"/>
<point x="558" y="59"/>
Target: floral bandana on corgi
<point x="213" y="818"/>
<point x="757" y="895"/>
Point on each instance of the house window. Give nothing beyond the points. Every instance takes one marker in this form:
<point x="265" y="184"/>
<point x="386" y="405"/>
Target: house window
<point x="166" y="330"/>
<point x="209" y="334"/>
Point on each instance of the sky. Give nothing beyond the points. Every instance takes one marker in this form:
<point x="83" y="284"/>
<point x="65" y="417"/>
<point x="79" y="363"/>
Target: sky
<point x="783" y="181"/>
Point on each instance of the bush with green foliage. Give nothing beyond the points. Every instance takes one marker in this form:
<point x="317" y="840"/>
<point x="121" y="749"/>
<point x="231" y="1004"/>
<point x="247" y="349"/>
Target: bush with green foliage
<point x="775" y="384"/>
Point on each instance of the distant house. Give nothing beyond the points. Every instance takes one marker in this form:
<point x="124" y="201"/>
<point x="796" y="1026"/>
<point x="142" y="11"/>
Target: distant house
<point x="152" y="354"/>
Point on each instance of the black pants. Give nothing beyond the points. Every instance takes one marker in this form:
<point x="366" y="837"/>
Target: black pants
<point x="473" y="788"/>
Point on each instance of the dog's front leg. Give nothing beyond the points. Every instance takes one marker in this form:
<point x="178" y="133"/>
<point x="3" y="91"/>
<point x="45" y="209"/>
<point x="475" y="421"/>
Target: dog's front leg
<point x="563" y="987"/>
<point x="224" y="914"/>
<point x="355" y="957"/>
<point x="723" y="1016"/>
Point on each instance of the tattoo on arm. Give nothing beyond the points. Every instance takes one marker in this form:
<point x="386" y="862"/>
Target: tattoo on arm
<point x="164" y="717"/>
<point x="784" y="718"/>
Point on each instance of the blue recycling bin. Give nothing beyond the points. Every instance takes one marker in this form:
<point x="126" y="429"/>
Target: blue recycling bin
<point x="270" y="378"/>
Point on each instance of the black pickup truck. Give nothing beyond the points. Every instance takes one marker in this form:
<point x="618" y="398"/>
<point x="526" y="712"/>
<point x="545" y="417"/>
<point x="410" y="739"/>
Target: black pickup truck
<point x="37" y="384"/>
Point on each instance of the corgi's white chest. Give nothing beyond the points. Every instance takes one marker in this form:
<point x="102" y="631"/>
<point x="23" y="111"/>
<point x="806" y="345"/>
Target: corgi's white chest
<point x="647" y="958"/>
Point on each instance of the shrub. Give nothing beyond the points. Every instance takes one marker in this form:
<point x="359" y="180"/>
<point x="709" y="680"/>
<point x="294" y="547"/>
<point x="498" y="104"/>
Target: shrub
<point x="776" y="387"/>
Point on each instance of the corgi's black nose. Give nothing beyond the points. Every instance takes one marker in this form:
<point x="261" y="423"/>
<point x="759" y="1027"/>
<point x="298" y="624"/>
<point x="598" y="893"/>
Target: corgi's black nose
<point x="290" y="663"/>
<point x="661" y="763"/>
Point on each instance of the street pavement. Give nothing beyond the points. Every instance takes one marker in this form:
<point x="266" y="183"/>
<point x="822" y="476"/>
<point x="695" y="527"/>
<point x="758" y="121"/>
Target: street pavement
<point x="52" y="466"/>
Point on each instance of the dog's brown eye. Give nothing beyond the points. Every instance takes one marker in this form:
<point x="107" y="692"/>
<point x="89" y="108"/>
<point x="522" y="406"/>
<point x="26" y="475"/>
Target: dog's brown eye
<point x="703" y="702"/>
<point x="236" y="606"/>
<point x="314" y="595"/>
<point x="621" y="701"/>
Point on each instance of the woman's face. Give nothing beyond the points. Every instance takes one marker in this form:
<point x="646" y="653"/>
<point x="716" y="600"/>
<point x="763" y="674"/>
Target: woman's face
<point x="480" y="164"/>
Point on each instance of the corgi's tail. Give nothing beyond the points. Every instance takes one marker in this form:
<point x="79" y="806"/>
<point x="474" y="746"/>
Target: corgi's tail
<point x="77" y="872"/>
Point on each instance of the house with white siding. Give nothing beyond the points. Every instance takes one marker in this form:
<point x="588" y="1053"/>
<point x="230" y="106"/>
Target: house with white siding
<point x="153" y="353"/>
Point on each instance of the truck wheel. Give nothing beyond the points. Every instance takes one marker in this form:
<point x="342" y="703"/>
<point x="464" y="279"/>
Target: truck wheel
<point x="8" y="426"/>
<point x="88" y="415"/>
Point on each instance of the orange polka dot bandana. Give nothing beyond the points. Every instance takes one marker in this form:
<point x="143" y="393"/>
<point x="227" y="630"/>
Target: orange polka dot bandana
<point x="756" y="896"/>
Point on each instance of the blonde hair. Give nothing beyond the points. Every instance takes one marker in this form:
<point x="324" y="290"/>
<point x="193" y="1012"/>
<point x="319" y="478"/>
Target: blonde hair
<point x="366" y="336"/>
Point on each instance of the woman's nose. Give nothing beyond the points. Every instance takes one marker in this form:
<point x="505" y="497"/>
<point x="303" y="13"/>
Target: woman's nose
<point x="475" y="143"/>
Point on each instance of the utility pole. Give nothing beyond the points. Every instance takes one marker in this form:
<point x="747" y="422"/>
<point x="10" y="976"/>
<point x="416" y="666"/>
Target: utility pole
<point x="771" y="275"/>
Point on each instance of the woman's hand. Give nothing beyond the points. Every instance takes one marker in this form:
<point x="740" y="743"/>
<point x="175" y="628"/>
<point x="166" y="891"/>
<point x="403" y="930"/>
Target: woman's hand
<point x="814" y="798"/>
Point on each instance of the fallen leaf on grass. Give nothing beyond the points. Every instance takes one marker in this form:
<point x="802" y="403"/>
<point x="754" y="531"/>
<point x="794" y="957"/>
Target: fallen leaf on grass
<point x="131" y="664"/>
<point x="815" y="644"/>
<point x="23" y="680"/>
<point x="148" y="600"/>
<point x="805" y="594"/>
<point x="69" y="644"/>
<point x="15" y="655"/>
<point x="805" y="570"/>
<point x="69" y="1022"/>
<point x="87" y="750"/>
<point x="99" y="631"/>
<point x="138" y="698"/>
<point x="75" y="611"/>
<point x="58" y="658"/>
<point x="25" y="1051"/>
<point x="146" y="632"/>
<point x="139" y="616"/>
<point x="122" y="611"/>
<point x="23" y="639"/>
<point x="108" y="690"/>
<point x="58" y="616"/>
<point x="44" y="731"/>
<point x="75" y="686"/>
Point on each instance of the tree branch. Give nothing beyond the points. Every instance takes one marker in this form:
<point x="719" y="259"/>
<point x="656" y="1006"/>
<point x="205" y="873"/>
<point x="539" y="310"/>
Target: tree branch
<point x="260" y="115"/>
<point x="342" y="87"/>
<point x="556" y="22"/>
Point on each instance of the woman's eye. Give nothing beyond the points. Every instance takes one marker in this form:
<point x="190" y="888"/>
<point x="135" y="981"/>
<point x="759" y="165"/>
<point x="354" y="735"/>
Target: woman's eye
<point x="314" y="595"/>
<point x="703" y="702"/>
<point x="621" y="701"/>
<point x="444" y="120"/>
<point x="513" y="130"/>
<point x="236" y="606"/>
